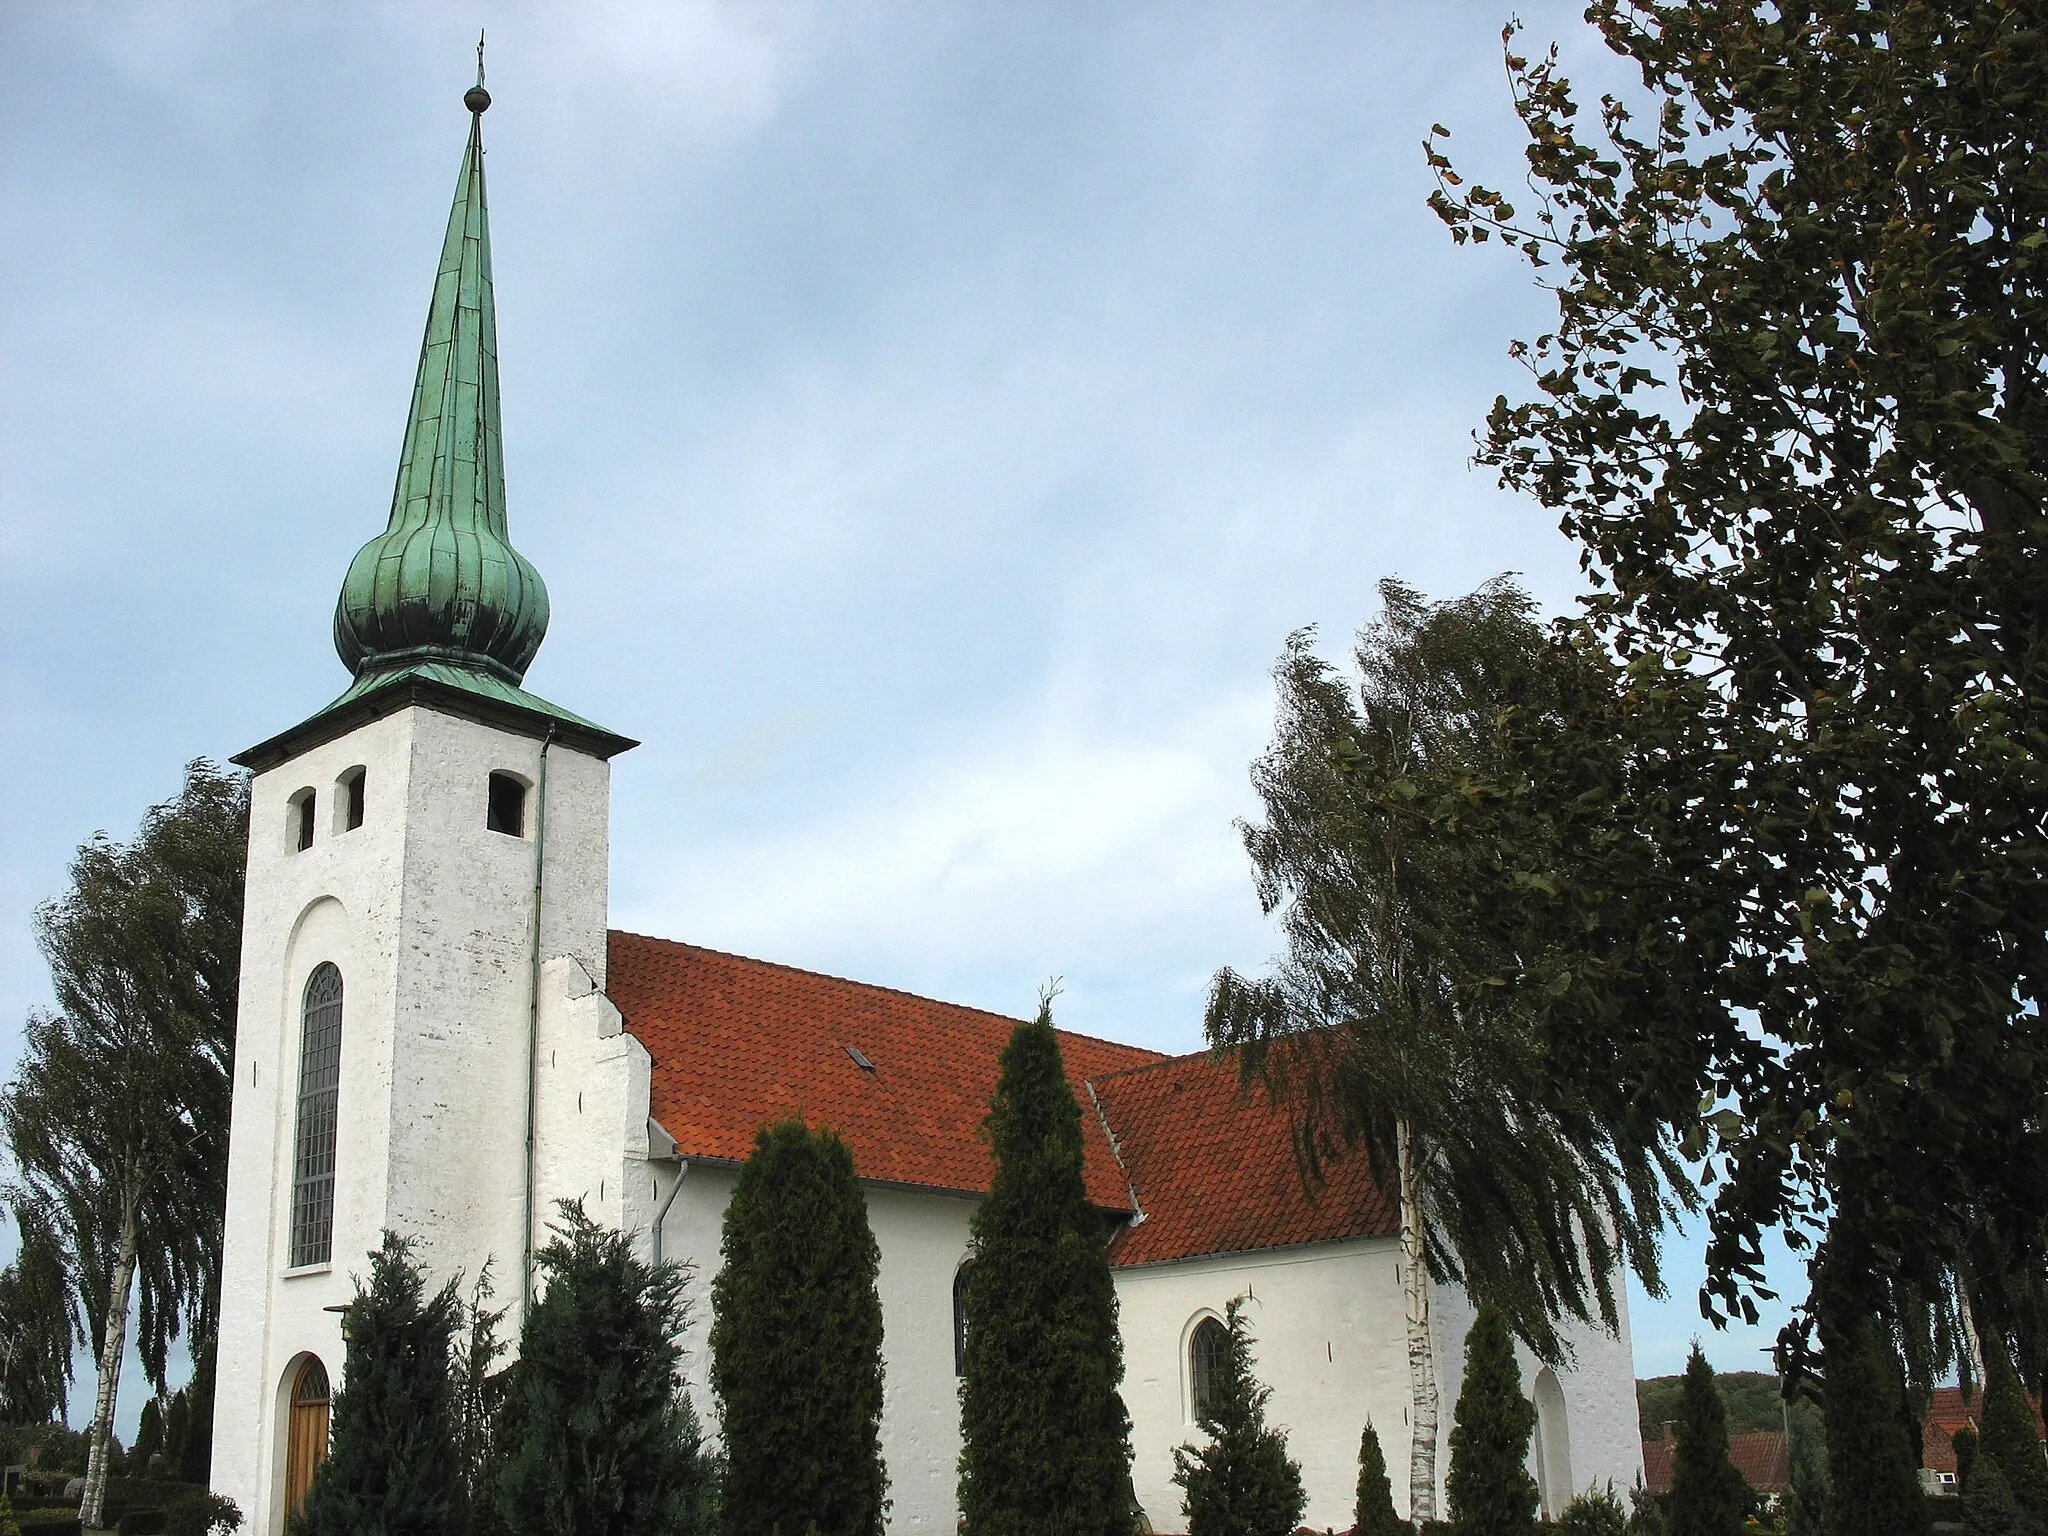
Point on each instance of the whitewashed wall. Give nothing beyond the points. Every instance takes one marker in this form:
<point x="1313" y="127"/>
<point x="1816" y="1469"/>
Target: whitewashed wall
<point x="1330" y="1324"/>
<point x="428" y="915"/>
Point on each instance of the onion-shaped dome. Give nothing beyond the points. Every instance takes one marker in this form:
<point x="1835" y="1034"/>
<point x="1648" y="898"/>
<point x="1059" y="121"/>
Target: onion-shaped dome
<point x="442" y="582"/>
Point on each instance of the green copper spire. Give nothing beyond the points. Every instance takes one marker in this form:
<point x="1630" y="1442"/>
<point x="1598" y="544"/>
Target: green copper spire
<point x="443" y="584"/>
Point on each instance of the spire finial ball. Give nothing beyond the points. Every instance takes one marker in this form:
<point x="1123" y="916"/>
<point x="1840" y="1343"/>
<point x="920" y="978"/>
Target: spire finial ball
<point x="477" y="99"/>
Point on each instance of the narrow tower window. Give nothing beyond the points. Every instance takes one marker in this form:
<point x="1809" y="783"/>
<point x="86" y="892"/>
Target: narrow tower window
<point x="302" y="820"/>
<point x="1208" y="1358"/>
<point x="960" y="1320"/>
<point x="313" y="1147"/>
<point x="352" y="799"/>
<point x="508" y="806"/>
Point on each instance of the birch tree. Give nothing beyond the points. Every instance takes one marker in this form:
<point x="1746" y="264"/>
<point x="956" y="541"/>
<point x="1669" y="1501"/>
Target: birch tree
<point x="117" y="1117"/>
<point x="1526" y="1183"/>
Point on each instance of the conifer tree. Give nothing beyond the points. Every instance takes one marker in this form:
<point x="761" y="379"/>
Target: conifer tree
<point x="1964" y="1445"/>
<point x="1596" y="1512"/>
<point x="1989" y="1508"/>
<point x="1806" y="1503"/>
<point x="796" y="1343"/>
<point x="391" y="1468"/>
<point x="597" y="1433"/>
<point x="1045" y="1441"/>
<point x="2007" y="1432"/>
<point x="1242" y="1483"/>
<point x="1375" y="1515"/>
<point x="1490" y="1490"/>
<point x="1873" y="1476"/>
<point x="9" y="1526"/>
<point x="1708" y="1496"/>
<point x="149" y="1438"/>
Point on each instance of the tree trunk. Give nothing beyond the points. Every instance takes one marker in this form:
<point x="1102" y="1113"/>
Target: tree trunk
<point x="1421" y="1353"/>
<point x="112" y="1347"/>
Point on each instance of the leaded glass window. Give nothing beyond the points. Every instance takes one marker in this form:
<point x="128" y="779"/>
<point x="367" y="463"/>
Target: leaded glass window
<point x="1208" y="1359"/>
<point x="313" y="1147"/>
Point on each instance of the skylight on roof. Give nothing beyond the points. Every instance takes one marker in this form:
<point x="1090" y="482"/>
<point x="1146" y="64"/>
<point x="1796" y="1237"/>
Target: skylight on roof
<point x="858" y="1059"/>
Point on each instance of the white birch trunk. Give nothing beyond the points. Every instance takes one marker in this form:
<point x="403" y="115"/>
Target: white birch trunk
<point x="1421" y="1353"/>
<point x="112" y="1348"/>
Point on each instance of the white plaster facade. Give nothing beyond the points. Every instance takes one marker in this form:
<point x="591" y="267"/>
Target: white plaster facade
<point x="429" y="917"/>
<point x="1329" y="1320"/>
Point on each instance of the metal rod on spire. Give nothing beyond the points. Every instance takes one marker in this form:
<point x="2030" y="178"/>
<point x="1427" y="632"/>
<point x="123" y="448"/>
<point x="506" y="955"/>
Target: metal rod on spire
<point x="479" y="56"/>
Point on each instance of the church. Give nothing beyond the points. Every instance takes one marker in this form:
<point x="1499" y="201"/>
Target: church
<point x="441" y="1034"/>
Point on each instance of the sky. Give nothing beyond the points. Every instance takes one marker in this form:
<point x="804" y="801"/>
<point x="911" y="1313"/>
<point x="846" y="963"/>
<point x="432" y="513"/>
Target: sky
<point x="930" y="421"/>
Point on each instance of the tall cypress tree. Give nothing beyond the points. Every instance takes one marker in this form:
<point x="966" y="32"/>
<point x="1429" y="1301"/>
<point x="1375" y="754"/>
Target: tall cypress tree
<point x="2008" y="1434"/>
<point x="1375" y="1515"/>
<point x="1708" y="1496"/>
<point x="796" y="1343"/>
<point x="1873" y="1476"/>
<point x="1490" y="1489"/>
<point x="596" y="1433"/>
<point x="391" y="1469"/>
<point x="1045" y="1441"/>
<point x="1242" y="1483"/>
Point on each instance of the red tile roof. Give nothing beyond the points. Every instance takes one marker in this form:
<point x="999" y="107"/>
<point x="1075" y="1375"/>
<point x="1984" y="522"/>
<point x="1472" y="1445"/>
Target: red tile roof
<point x="1214" y="1167"/>
<point x="1948" y="1411"/>
<point x="739" y="1044"/>
<point x="1759" y="1456"/>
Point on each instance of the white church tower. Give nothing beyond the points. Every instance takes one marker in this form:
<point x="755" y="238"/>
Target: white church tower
<point x="421" y="851"/>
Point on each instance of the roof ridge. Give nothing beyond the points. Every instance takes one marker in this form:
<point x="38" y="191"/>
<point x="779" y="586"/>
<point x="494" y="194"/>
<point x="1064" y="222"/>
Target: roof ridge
<point x="916" y="997"/>
<point x="1164" y="1061"/>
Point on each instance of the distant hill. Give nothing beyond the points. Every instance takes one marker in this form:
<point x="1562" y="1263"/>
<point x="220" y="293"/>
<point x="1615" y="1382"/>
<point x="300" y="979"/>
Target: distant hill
<point x="1750" y="1397"/>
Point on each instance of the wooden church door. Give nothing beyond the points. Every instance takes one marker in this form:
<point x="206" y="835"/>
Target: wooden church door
<point x="306" y="1443"/>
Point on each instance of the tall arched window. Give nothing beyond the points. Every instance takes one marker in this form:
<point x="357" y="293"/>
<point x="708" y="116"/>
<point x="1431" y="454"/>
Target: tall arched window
<point x="313" y="1147"/>
<point x="305" y="1433"/>
<point x="1208" y="1358"/>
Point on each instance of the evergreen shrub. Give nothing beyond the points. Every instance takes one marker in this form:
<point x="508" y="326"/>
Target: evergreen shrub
<point x="796" y="1342"/>
<point x="200" y="1513"/>
<point x="1374" y="1514"/>
<point x="1045" y="1440"/>
<point x="1596" y="1512"/>
<point x="1989" y="1508"/>
<point x="1964" y="1444"/>
<point x="391" y="1467"/>
<point x="2006" y="1431"/>
<point x="1490" y="1490"/>
<point x="1242" y="1483"/>
<point x="1708" y="1496"/>
<point x="596" y="1431"/>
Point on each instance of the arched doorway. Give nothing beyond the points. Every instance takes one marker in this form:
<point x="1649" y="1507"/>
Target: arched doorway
<point x="306" y="1438"/>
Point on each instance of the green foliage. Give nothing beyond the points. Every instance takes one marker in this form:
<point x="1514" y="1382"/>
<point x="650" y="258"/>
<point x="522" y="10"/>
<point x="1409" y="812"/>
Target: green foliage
<point x="391" y="1467"/>
<point x="1750" y="1399"/>
<point x="1792" y="413"/>
<point x="1989" y="1508"/>
<point x="195" y="1449"/>
<point x="1045" y="1440"/>
<point x="38" y="1322"/>
<point x="1389" y="1014"/>
<point x="1242" y="1483"/>
<point x="1596" y="1512"/>
<point x="8" y="1527"/>
<point x="597" y="1433"/>
<point x="1374" y="1514"/>
<point x="118" y="1115"/>
<point x="1873" y="1475"/>
<point x="2007" y="1432"/>
<point x="796" y="1342"/>
<point x="478" y="1394"/>
<point x="1491" y="1491"/>
<point x="149" y="1438"/>
<point x="177" y="1427"/>
<point x="1964" y="1444"/>
<point x="1645" y="1512"/>
<point x="1708" y="1496"/>
<point x="200" y="1513"/>
<point x="1806" y="1502"/>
